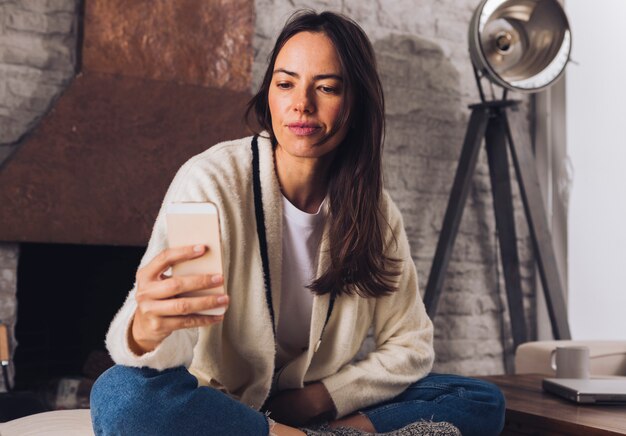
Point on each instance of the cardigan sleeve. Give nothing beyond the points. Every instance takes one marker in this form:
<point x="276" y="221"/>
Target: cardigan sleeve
<point x="403" y="333"/>
<point x="175" y="350"/>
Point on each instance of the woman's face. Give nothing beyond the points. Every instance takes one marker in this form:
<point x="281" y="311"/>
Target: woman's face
<point x="306" y="95"/>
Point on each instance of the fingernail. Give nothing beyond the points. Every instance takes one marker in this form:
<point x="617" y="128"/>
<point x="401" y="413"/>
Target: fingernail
<point x="198" y="248"/>
<point x="222" y="299"/>
<point x="217" y="278"/>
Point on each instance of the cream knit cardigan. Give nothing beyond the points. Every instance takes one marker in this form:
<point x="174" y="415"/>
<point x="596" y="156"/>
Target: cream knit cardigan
<point x="237" y="356"/>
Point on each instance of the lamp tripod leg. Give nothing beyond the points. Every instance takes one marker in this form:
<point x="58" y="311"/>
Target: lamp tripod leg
<point x="540" y="234"/>
<point x="454" y="211"/>
<point x="495" y="141"/>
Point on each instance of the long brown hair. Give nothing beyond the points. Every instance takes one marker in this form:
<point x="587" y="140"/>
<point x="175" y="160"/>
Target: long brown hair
<point x="357" y="248"/>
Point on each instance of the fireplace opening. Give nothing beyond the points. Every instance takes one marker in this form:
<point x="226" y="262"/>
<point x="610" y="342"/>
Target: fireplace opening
<point x="67" y="295"/>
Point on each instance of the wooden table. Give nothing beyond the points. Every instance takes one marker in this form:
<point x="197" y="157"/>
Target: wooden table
<point x="531" y="411"/>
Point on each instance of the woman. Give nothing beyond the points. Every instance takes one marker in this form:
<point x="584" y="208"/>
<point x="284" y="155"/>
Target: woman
<point x="314" y="254"/>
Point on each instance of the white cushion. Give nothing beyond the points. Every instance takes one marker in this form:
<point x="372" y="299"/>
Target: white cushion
<point x="606" y="357"/>
<point x="57" y="423"/>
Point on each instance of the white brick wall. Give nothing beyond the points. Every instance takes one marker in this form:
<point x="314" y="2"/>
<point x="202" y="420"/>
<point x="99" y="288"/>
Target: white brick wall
<point x="37" y="56"/>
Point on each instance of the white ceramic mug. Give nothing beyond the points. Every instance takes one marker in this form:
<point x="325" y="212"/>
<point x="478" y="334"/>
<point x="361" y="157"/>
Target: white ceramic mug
<point x="570" y="362"/>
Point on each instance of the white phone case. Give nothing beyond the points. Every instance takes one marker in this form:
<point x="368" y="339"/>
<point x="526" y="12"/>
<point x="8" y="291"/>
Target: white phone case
<point x="192" y="224"/>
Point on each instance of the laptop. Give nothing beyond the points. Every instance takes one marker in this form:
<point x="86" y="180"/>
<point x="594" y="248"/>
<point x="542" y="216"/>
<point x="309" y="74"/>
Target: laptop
<point x="588" y="391"/>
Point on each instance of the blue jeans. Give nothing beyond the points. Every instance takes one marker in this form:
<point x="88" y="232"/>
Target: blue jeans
<point x="475" y="406"/>
<point x="142" y="401"/>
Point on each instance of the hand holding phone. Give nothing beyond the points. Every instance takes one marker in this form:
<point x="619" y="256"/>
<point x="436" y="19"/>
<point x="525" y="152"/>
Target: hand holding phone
<point x="168" y="303"/>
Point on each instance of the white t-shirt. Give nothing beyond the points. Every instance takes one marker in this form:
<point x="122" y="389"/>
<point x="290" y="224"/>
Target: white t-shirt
<point x="302" y="233"/>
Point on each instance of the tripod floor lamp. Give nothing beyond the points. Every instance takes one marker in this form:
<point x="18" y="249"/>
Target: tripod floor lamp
<point x="519" y="45"/>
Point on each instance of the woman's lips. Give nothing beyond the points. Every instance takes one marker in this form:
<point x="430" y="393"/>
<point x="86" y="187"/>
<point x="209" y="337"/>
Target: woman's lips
<point x="303" y="129"/>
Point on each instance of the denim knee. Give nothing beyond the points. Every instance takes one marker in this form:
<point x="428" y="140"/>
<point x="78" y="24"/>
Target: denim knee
<point x="123" y="399"/>
<point x="112" y="402"/>
<point x="102" y="401"/>
<point x="492" y="398"/>
<point x="143" y="401"/>
<point x="491" y="394"/>
<point x="482" y="401"/>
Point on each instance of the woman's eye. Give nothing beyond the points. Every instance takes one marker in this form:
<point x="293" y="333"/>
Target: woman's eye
<point x="283" y="85"/>
<point x="328" y="89"/>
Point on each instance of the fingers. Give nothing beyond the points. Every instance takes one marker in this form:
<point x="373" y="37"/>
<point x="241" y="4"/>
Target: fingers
<point x="166" y="258"/>
<point x="159" y="312"/>
<point x="171" y="323"/>
<point x="177" y="307"/>
<point x="168" y="287"/>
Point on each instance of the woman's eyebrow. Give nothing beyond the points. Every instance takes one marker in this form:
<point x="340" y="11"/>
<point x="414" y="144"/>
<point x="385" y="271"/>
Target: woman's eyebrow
<point x="316" y="77"/>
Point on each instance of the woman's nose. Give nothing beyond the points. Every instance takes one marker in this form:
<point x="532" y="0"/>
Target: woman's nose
<point x="304" y="103"/>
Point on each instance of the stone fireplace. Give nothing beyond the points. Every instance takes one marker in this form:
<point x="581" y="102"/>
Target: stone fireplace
<point x="102" y="102"/>
<point x="154" y="84"/>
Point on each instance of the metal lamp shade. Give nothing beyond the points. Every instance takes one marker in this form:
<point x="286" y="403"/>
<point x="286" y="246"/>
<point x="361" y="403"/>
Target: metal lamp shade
<point x="522" y="45"/>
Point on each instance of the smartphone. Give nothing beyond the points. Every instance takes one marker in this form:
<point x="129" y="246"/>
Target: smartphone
<point x="192" y="224"/>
